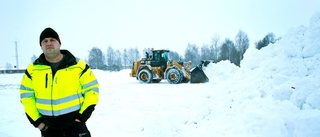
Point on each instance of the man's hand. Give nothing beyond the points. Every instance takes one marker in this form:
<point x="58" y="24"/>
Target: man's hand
<point x="41" y="126"/>
<point x="77" y="120"/>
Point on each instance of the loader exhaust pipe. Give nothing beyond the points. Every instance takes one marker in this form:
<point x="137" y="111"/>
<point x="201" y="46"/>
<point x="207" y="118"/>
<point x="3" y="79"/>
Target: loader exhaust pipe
<point x="197" y="75"/>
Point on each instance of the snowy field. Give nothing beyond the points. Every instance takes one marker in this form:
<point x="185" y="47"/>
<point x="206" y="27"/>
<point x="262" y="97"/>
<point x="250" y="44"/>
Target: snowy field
<point x="275" y="93"/>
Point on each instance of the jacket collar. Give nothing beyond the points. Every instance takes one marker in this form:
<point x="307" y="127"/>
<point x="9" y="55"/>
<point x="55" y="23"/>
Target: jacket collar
<point x="68" y="59"/>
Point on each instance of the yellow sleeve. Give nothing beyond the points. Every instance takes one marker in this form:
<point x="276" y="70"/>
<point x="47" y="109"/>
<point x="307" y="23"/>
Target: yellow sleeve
<point x="90" y="89"/>
<point x="27" y="98"/>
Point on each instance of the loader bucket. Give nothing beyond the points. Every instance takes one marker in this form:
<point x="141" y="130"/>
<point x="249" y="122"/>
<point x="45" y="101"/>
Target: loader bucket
<point x="198" y="76"/>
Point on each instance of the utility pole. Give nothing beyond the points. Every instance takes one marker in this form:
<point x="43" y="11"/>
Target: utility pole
<point x="17" y="56"/>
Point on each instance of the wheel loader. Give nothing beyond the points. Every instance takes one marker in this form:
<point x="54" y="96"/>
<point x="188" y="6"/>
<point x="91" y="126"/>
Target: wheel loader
<point x="159" y="66"/>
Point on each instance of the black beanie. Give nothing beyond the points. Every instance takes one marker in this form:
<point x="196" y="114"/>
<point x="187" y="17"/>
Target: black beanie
<point x="49" y="32"/>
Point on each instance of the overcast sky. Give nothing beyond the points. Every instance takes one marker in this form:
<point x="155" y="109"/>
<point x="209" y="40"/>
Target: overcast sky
<point x="165" y="24"/>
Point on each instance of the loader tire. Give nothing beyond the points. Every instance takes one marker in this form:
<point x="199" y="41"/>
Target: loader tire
<point x="174" y="76"/>
<point x="145" y="76"/>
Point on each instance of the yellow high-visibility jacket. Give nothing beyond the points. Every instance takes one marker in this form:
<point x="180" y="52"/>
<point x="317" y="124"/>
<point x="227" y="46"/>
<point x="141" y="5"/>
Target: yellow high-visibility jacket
<point x="58" y="99"/>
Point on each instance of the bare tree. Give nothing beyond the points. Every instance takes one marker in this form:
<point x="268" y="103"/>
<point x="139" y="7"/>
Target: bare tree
<point x="192" y="54"/>
<point x="125" y="59"/>
<point x="269" y="38"/>
<point x="225" y="50"/>
<point x="229" y="52"/>
<point x="110" y="56"/>
<point x="175" y="56"/>
<point x="214" y="49"/>
<point x="242" y="43"/>
<point x="205" y="52"/>
<point x="234" y="54"/>
<point x="96" y="58"/>
<point x="117" y="61"/>
<point x="133" y="54"/>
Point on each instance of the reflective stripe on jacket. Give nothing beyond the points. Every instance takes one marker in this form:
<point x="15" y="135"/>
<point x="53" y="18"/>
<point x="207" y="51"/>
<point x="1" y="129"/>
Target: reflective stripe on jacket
<point x="73" y="88"/>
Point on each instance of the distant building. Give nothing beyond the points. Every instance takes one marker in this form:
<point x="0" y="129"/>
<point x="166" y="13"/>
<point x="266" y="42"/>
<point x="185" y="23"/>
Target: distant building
<point x="11" y="71"/>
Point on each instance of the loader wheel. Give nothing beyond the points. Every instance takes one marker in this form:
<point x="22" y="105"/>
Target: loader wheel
<point x="174" y="76"/>
<point x="145" y="76"/>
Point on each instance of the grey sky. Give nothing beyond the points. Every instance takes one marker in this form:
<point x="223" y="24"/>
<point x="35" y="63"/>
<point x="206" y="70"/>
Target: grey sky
<point x="165" y="24"/>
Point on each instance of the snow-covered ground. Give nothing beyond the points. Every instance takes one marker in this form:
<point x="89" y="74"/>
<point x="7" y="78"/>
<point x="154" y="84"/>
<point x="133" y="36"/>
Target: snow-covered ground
<point x="275" y="93"/>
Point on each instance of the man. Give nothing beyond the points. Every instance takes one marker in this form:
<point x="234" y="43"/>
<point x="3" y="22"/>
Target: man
<point x="58" y="91"/>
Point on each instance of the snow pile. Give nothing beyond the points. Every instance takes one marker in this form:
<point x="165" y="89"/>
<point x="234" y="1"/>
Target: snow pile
<point x="222" y="71"/>
<point x="283" y="78"/>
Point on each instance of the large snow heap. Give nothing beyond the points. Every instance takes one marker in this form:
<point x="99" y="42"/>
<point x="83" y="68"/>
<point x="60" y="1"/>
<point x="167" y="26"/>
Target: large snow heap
<point x="285" y="76"/>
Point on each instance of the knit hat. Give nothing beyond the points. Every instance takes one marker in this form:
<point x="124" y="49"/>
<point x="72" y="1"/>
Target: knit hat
<point x="49" y="32"/>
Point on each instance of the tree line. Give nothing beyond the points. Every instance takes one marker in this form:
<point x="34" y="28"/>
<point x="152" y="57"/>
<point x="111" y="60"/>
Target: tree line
<point x="218" y="50"/>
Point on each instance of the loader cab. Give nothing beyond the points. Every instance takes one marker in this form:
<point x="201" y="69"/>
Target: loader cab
<point x="160" y="58"/>
<point x="161" y="55"/>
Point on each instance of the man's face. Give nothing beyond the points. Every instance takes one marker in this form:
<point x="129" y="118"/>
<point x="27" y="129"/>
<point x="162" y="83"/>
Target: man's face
<point x="50" y="47"/>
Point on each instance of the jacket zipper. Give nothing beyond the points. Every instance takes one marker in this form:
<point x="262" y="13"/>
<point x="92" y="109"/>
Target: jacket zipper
<point x="52" y="82"/>
<point x="46" y="80"/>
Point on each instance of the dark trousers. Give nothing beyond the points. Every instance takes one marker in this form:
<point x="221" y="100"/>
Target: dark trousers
<point x="78" y="129"/>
